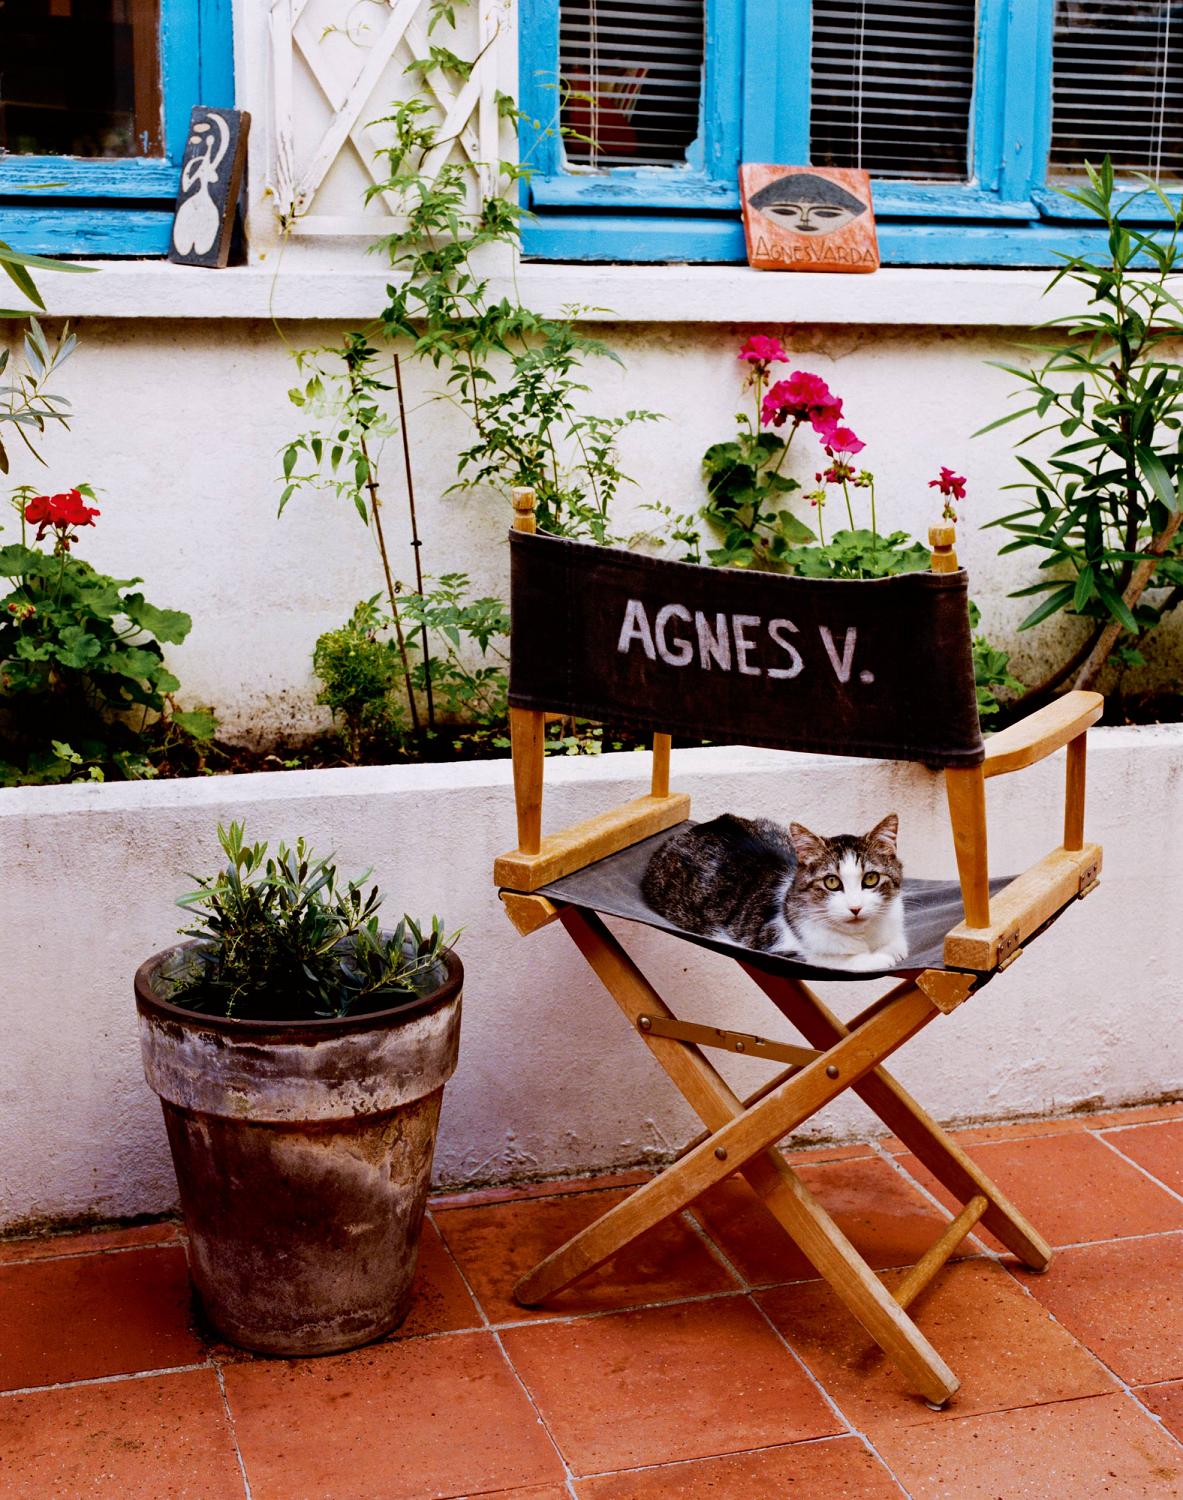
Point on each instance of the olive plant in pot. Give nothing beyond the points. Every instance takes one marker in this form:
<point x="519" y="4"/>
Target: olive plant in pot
<point x="300" y="1053"/>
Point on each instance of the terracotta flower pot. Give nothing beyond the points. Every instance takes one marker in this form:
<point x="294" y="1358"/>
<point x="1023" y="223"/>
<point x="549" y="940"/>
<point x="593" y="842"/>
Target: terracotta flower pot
<point x="303" y="1155"/>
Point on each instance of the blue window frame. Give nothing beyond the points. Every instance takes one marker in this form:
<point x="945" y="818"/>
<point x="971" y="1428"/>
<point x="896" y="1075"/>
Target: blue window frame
<point x="756" y="107"/>
<point x="68" y="205"/>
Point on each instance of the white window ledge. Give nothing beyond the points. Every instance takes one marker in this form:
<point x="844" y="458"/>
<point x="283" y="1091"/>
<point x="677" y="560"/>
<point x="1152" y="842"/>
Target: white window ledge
<point x="637" y="294"/>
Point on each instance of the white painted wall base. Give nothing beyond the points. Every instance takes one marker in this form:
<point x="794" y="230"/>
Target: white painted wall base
<point x="550" y="1079"/>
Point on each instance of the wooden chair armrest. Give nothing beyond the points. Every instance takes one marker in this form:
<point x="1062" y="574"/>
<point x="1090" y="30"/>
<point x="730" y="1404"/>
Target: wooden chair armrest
<point x="582" y="844"/>
<point x="1022" y="907"/>
<point x="1042" y="732"/>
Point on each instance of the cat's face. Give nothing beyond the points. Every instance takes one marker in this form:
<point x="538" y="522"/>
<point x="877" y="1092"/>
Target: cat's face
<point x="847" y="881"/>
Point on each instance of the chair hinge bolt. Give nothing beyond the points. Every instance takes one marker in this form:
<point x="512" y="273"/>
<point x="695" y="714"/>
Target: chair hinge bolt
<point x="644" y="1023"/>
<point x="739" y="1047"/>
<point x="832" y="1071"/>
<point x="721" y="1152"/>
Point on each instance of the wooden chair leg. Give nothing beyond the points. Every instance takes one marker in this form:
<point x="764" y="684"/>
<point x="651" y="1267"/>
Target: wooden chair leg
<point x="906" y="1119"/>
<point x="786" y="1197"/>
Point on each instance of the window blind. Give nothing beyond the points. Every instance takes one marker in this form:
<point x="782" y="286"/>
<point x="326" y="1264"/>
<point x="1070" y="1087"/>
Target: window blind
<point x="630" y="80"/>
<point x="1117" y="86"/>
<point x="891" y="87"/>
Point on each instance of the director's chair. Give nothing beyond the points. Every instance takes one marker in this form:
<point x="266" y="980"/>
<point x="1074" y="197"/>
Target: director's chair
<point x="878" y="668"/>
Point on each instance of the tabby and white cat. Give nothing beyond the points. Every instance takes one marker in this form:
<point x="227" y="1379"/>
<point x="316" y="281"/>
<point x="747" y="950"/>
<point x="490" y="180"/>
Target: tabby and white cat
<point x="834" y="902"/>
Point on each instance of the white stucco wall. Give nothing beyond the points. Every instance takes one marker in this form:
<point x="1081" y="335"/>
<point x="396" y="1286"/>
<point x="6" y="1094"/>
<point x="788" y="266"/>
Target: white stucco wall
<point x="180" y="422"/>
<point x="550" y="1078"/>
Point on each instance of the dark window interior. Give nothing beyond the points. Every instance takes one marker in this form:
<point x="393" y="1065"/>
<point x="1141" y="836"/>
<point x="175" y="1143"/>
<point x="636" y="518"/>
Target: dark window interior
<point x="80" y="78"/>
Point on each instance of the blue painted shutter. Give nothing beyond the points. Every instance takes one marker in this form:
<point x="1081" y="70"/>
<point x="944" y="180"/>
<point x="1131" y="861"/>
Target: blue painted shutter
<point x="892" y="85"/>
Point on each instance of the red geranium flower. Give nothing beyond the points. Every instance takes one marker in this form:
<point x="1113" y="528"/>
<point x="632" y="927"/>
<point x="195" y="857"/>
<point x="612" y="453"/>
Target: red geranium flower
<point x="37" y="512"/>
<point x="951" y="485"/>
<point x="59" y="513"/>
<point x="70" y="510"/>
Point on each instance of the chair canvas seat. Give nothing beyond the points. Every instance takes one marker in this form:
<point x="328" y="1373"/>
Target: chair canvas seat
<point x="612" y="887"/>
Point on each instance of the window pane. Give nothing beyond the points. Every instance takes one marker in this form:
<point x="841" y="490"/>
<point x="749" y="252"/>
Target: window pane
<point x="80" y="78"/>
<point x="631" y="80"/>
<point x="892" y="83"/>
<point x="1117" y="86"/>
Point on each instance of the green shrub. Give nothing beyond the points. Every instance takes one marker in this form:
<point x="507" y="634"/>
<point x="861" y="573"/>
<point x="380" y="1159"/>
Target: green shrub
<point x="281" y="939"/>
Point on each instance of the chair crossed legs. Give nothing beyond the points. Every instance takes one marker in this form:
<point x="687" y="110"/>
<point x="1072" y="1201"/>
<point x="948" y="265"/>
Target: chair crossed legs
<point x="741" y="1136"/>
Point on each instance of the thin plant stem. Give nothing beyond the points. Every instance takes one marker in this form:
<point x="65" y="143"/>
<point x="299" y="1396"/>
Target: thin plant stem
<point x="416" y="544"/>
<point x="391" y="591"/>
<point x="849" y="508"/>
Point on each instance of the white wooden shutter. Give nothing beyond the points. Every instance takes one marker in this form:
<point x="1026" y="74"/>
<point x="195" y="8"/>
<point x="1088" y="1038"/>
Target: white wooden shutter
<point x="336" y="70"/>
<point x="1117" y="86"/>
<point x="892" y="85"/>
<point x="631" y="75"/>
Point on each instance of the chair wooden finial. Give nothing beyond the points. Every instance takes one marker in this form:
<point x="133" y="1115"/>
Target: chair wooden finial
<point x="523" y="500"/>
<point x="941" y="539"/>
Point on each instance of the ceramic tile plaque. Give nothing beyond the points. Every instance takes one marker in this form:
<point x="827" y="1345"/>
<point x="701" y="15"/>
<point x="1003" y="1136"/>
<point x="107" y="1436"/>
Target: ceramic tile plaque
<point x="211" y="176"/>
<point x="808" y="218"/>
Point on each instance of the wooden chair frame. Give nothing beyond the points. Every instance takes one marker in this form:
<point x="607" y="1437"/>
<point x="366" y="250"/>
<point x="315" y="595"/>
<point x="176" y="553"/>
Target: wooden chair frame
<point x="740" y="1135"/>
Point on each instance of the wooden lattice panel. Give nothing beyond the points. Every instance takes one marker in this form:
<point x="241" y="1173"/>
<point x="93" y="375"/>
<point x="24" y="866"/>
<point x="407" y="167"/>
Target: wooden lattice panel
<point x="354" y="57"/>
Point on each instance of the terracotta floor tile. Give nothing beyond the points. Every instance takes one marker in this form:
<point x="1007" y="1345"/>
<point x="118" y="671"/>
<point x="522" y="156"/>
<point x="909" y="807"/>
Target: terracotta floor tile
<point x="885" y="1217"/>
<point x="1166" y="1402"/>
<point x="166" y="1435"/>
<point x="1071" y="1187"/>
<point x="405" y="1421"/>
<point x="1100" y="1449"/>
<point x="1157" y="1148"/>
<point x="837" y="1468"/>
<point x="531" y="1492"/>
<point x="440" y="1301"/>
<point x="666" y="1383"/>
<point x="551" y="1187"/>
<point x="1124" y="1301"/>
<point x="849" y="1152"/>
<point x="1005" y="1349"/>
<point x="1139" y="1114"/>
<point x="496" y="1245"/>
<point x="55" y="1246"/>
<point x="95" y="1315"/>
<point x="1019" y="1130"/>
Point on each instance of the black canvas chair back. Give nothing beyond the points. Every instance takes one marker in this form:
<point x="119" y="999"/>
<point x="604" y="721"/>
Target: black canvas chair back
<point x="880" y="668"/>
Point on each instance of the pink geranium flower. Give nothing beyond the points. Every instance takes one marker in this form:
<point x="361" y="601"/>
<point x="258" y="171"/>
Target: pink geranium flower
<point x="763" y="349"/>
<point x="839" y="439"/>
<point x="803" y="397"/>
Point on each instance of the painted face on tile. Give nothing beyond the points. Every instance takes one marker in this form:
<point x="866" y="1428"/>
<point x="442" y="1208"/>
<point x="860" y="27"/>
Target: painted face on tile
<point x="807" y="204"/>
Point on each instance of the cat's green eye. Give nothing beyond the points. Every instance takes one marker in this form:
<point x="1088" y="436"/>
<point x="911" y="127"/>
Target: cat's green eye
<point x="870" y="879"/>
<point x="832" y="883"/>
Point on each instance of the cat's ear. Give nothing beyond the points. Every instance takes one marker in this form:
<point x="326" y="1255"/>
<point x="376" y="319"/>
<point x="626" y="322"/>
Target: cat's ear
<point x="809" y="846"/>
<point x="885" y="832"/>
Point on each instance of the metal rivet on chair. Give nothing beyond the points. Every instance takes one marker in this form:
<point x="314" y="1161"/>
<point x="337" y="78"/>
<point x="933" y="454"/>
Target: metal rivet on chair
<point x="832" y="1071"/>
<point x="721" y="1152"/>
<point x="644" y="1022"/>
<point x="739" y="1047"/>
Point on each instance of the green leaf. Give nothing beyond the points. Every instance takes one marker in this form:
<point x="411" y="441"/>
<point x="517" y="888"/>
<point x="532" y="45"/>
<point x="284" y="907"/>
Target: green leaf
<point x="794" y="529"/>
<point x="1054" y="602"/>
<point x="77" y="648"/>
<point x="200" y="723"/>
<point x="168" y="625"/>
